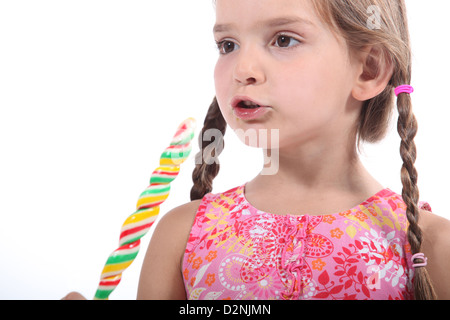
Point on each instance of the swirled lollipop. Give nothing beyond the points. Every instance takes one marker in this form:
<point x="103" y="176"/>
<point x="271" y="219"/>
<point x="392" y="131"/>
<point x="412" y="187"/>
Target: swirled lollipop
<point x="147" y="209"/>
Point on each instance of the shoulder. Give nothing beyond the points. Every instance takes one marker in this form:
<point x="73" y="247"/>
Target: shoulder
<point x="436" y="247"/>
<point x="172" y="232"/>
<point x="433" y="223"/>
<point x="161" y="276"/>
<point x="179" y="220"/>
<point x="435" y="228"/>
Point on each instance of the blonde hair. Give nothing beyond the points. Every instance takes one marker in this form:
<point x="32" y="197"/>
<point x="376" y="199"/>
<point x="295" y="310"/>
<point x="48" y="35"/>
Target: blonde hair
<point x="351" y="19"/>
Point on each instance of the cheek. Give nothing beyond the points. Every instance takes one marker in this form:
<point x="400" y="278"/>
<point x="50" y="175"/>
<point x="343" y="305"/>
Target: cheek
<point x="222" y="75"/>
<point x="308" y="99"/>
<point x="220" y="83"/>
<point x="317" y="81"/>
<point x="298" y="88"/>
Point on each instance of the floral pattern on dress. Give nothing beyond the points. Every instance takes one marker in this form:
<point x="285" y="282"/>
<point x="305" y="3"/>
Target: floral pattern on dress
<point x="238" y="252"/>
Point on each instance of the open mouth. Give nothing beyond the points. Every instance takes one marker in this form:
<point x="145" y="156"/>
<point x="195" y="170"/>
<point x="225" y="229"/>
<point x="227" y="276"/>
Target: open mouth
<point x="246" y="109"/>
<point x="245" y="103"/>
<point x="248" y="105"/>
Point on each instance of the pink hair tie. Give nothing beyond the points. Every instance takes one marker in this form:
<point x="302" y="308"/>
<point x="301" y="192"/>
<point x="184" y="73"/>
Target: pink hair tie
<point x="406" y="88"/>
<point x="419" y="256"/>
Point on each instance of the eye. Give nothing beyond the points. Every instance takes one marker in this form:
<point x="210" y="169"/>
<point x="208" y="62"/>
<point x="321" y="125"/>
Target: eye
<point x="284" y="41"/>
<point x="226" y="46"/>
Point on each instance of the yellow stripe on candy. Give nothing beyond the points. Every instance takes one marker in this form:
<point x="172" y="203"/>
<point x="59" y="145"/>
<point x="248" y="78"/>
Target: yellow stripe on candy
<point x="112" y="269"/>
<point x="172" y="169"/>
<point x="170" y="162"/>
<point x="142" y="215"/>
<point x="151" y="199"/>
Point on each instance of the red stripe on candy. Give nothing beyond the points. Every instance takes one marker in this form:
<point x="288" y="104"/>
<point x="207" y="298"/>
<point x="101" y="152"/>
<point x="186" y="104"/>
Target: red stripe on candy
<point x="165" y="173"/>
<point x="134" y="230"/>
<point x="128" y="246"/>
<point x="178" y="146"/>
<point x="181" y="129"/>
<point x="109" y="283"/>
<point x="154" y="204"/>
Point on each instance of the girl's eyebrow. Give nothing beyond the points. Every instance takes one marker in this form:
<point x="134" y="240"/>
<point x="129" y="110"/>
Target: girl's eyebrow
<point x="277" y="22"/>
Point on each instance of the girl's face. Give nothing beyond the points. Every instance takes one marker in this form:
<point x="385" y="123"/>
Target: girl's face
<point x="279" y="55"/>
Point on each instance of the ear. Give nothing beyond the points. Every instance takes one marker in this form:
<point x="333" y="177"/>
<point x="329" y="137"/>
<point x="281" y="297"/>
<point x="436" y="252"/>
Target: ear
<point x="374" y="73"/>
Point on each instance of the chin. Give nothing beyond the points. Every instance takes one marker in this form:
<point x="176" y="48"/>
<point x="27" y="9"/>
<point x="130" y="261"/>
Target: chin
<point x="259" y="137"/>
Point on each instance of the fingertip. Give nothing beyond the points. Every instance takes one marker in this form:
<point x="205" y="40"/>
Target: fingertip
<point x="74" y="296"/>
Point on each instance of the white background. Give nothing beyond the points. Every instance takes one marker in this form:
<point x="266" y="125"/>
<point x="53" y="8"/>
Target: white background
<point x="91" y="93"/>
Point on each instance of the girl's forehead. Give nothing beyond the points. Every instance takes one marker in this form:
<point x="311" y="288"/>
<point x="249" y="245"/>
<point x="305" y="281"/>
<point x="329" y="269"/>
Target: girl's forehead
<point x="248" y="11"/>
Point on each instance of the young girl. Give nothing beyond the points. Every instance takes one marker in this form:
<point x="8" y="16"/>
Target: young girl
<point x="322" y="77"/>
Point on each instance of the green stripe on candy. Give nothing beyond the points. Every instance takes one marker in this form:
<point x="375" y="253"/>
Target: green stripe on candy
<point x="119" y="258"/>
<point x="186" y="140"/>
<point x="131" y="240"/>
<point x="164" y="180"/>
<point x="175" y="154"/>
<point x="103" y="294"/>
<point x="155" y="190"/>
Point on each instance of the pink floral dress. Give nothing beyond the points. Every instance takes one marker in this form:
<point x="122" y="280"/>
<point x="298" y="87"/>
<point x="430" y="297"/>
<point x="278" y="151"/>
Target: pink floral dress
<point x="238" y="252"/>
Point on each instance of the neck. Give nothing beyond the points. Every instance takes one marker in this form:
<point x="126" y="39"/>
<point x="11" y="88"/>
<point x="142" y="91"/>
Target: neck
<point x="317" y="169"/>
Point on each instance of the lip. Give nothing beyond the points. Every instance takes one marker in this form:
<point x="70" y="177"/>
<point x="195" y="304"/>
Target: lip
<point x="245" y="113"/>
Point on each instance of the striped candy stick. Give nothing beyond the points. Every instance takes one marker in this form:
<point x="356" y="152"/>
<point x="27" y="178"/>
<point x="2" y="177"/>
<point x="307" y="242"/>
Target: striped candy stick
<point x="147" y="209"/>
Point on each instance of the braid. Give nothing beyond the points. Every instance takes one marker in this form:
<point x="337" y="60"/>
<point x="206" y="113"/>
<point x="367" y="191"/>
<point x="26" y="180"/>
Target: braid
<point x="407" y="129"/>
<point x="205" y="171"/>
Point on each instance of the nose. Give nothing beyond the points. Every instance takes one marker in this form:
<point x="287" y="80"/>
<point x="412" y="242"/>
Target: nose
<point x="249" y="68"/>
